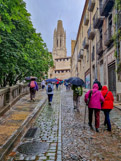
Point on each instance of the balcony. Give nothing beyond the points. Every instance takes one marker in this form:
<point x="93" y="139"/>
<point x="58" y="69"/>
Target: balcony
<point x="97" y="19"/>
<point x="93" y="56"/>
<point x="86" y="19"/>
<point x="91" y="5"/>
<point x="80" y="56"/>
<point x="91" y="33"/>
<point x="99" y="47"/>
<point x="85" y="43"/>
<point x="106" y="7"/>
<point x="108" y="36"/>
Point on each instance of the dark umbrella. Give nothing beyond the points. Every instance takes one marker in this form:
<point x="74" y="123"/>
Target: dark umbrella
<point x="51" y="80"/>
<point x="31" y="77"/>
<point x="76" y="81"/>
<point x="70" y="79"/>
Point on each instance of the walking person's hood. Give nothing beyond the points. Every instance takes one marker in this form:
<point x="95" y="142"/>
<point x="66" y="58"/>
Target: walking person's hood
<point x="104" y="88"/>
<point x="95" y="86"/>
<point x="109" y="99"/>
<point x="96" y="97"/>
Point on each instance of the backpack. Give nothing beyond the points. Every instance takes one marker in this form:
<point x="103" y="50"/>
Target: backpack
<point x="49" y="89"/>
<point x="32" y="84"/>
<point x="90" y="94"/>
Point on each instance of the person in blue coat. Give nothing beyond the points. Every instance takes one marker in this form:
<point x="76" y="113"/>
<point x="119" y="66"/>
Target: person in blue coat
<point x="50" y="92"/>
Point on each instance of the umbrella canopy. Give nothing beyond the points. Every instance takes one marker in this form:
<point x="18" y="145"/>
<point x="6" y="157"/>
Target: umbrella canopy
<point x="30" y="77"/>
<point x="51" y="80"/>
<point x="76" y="81"/>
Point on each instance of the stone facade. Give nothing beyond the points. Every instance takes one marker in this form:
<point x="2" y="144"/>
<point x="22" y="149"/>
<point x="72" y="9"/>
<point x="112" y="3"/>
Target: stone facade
<point x="93" y="55"/>
<point x="62" y="65"/>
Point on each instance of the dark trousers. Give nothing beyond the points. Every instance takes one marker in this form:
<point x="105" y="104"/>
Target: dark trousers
<point x="57" y="86"/>
<point x="32" y="93"/>
<point x="50" y="97"/>
<point x="107" y="118"/>
<point x="97" y="117"/>
<point x="43" y="86"/>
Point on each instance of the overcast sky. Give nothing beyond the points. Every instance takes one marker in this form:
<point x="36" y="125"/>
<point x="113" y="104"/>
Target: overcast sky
<point x="46" y="13"/>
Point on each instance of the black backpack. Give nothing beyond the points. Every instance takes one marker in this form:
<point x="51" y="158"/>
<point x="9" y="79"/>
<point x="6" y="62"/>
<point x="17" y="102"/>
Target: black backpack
<point x="49" y="89"/>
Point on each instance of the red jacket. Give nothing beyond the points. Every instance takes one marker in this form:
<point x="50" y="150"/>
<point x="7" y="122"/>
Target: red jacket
<point x="108" y="102"/>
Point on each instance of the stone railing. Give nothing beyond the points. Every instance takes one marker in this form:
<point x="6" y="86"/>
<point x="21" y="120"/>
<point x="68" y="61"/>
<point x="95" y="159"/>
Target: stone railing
<point x="10" y="95"/>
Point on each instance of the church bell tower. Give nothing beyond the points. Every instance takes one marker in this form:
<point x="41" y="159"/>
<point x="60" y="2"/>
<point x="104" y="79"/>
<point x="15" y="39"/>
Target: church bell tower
<point x="59" y="41"/>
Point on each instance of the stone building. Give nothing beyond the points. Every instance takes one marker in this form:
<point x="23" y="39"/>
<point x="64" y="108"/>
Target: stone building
<point x="61" y="69"/>
<point x="94" y="51"/>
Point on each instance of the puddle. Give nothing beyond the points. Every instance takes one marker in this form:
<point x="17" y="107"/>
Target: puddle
<point x="33" y="148"/>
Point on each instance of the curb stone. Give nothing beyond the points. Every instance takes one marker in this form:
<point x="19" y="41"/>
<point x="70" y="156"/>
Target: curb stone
<point x="5" y="148"/>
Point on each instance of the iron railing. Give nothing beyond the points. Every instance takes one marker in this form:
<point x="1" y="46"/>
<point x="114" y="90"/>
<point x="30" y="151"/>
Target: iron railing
<point x="97" y="19"/>
<point x="91" y="33"/>
<point x="99" y="47"/>
<point x="91" y="5"/>
<point x="108" y="36"/>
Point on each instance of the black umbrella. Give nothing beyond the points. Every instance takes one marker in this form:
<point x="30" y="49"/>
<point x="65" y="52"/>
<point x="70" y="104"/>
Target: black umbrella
<point x="70" y="79"/>
<point x="76" y="81"/>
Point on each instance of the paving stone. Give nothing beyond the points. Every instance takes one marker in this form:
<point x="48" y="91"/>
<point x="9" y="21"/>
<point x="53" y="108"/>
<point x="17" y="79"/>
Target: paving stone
<point x="42" y="158"/>
<point x="79" y="141"/>
<point x="51" y="154"/>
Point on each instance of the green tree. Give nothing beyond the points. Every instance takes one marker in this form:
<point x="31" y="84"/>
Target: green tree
<point x="22" y="50"/>
<point x="117" y="36"/>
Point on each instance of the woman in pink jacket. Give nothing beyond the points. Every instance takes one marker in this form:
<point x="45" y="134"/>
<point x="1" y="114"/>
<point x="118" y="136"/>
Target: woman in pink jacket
<point x="94" y="105"/>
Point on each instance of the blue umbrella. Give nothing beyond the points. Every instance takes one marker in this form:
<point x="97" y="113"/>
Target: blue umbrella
<point x="51" y="80"/>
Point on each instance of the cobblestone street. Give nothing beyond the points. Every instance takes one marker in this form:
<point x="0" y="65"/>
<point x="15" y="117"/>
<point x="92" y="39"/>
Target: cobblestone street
<point x="46" y="144"/>
<point x="81" y="143"/>
<point x="61" y="135"/>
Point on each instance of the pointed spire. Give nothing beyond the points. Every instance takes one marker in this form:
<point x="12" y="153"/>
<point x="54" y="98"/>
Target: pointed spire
<point x="60" y="27"/>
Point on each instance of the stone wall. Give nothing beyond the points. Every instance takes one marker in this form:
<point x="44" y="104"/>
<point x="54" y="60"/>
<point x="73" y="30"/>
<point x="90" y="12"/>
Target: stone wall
<point x="9" y="95"/>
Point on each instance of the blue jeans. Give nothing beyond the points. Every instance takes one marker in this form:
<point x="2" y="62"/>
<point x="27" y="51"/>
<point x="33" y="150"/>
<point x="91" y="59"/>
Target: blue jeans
<point x="107" y="118"/>
<point x="50" y="97"/>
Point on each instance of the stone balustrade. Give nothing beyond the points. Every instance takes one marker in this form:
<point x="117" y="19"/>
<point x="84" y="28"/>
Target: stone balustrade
<point x="9" y="95"/>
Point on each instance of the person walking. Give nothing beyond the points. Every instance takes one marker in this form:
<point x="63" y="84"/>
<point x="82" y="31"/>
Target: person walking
<point x="77" y="93"/>
<point x="49" y="91"/>
<point x="43" y="84"/>
<point x="33" y="88"/>
<point x="57" y="84"/>
<point x="94" y="104"/>
<point x="107" y="105"/>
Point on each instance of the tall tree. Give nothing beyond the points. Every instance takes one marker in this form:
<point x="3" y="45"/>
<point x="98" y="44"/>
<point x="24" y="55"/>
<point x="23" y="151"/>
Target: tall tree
<point x="22" y="50"/>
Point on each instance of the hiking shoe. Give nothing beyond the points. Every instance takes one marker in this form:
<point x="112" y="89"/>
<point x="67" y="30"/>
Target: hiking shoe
<point x="89" y="124"/>
<point x="91" y="127"/>
<point x="75" y="107"/>
<point x="109" y="130"/>
<point x="33" y="99"/>
<point x="105" y="123"/>
<point x="97" y="130"/>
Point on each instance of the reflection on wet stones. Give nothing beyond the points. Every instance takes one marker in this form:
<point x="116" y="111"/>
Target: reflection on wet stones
<point x="33" y="148"/>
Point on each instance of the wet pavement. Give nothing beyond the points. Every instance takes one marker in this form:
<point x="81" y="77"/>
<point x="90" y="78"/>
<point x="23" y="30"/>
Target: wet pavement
<point x="46" y="143"/>
<point x="81" y="143"/>
<point x="17" y="118"/>
<point x="59" y="133"/>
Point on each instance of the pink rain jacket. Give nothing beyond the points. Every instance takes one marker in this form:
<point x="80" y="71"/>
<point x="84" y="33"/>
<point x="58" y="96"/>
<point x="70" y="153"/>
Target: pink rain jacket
<point x="96" y="98"/>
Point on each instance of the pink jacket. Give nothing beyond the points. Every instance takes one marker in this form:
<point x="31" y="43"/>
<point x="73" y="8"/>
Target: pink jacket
<point x="96" y="98"/>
